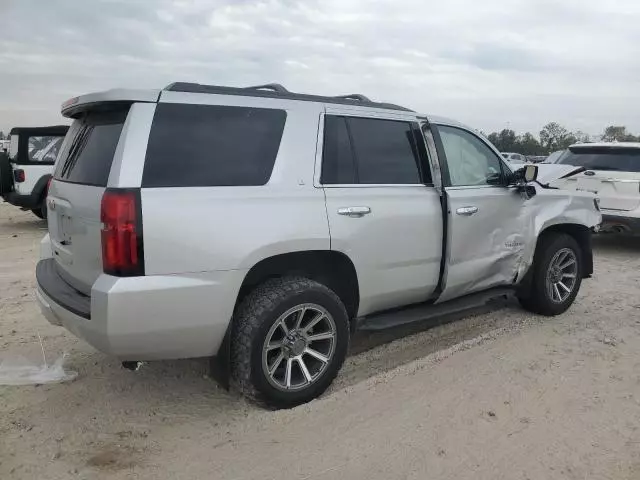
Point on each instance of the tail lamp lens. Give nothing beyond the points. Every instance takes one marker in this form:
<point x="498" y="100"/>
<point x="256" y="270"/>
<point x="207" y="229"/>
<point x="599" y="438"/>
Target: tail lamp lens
<point x="121" y="233"/>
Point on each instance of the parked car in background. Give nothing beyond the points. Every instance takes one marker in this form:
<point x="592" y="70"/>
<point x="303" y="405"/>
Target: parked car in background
<point x="536" y="159"/>
<point x="172" y="236"/>
<point x="4" y="146"/>
<point x="612" y="173"/>
<point x="26" y="170"/>
<point x="515" y="158"/>
<point x="553" y="157"/>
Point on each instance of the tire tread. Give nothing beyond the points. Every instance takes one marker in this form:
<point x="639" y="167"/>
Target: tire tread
<point x="535" y="299"/>
<point x="249" y="317"/>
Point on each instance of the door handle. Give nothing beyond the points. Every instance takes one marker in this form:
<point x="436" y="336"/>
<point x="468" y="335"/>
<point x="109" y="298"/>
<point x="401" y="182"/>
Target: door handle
<point x="467" y="210"/>
<point x="354" y="211"/>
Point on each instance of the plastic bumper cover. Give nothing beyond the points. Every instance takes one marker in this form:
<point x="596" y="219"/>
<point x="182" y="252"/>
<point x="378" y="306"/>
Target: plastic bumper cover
<point x="153" y="317"/>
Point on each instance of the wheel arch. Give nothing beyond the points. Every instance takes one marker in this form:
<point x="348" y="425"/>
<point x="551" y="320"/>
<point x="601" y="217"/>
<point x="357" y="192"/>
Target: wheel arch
<point x="329" y="267"/>
<point x="582" y="235"/>
<point x="39" y="191"/>
<point x="579" y="232"/>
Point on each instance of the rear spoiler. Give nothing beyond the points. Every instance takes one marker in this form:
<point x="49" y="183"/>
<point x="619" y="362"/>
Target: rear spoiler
<point x="73" y="107"/>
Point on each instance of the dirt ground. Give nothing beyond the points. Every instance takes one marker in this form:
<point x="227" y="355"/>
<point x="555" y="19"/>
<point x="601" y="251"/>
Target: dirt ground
<point x="498" y="395"/>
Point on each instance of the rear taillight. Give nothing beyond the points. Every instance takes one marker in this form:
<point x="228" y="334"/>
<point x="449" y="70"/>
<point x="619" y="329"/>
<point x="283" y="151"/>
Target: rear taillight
<point x="121" y="218"/>
<point x="19" y="176"/>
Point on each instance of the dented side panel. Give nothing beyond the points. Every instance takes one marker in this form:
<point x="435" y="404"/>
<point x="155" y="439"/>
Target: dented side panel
<point x="495" y="246"/>
<point x="552" y="207"/>
<point x="486" y="248"/>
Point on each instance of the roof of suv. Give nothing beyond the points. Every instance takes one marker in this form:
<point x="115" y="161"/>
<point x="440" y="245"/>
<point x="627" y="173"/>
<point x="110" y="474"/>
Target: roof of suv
<point x="606" y="145"/>
<point x="52" y="130"/>
<point x="275" y="90"/>
<point x="74" y="106"/>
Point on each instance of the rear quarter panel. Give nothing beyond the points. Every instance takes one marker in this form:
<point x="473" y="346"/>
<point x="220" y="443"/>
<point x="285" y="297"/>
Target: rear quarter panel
<point x="32" y="173"/>
<point x="201" y="229"/>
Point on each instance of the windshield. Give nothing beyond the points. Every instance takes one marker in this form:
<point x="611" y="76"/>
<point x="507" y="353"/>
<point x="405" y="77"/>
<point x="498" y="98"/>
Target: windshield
<point x="621" y="160"/>
<point x="554" y="157"/>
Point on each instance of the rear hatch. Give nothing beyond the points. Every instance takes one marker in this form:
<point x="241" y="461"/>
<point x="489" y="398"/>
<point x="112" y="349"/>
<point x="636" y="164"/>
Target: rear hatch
<point x="612" y="173"/>
<point x="80" y="179"/>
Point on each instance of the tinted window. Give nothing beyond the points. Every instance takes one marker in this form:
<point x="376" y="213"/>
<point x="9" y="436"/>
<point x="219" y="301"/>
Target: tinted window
<point x="89" y="157"/>
<point x="469" y="160"/>
<point x="13" y="146"/>
<point x="205" y="145"/>
<point x="385" y="150"/>
<point x="623" y="160"/>
<point x="337" y="158"/>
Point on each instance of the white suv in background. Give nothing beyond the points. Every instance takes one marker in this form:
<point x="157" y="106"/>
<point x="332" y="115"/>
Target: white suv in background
<point x="515" y="158"/>
<point x="612" y="173"/>
<point x="25" y="170"/>
<point x="260" y="227"/>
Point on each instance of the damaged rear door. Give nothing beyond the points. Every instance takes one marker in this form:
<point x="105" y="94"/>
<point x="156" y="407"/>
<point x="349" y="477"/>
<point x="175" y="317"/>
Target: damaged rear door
<point x="486" y="231"/>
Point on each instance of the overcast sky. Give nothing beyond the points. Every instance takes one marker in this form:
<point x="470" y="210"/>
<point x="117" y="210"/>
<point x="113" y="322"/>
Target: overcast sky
<point x="489" y="63"/>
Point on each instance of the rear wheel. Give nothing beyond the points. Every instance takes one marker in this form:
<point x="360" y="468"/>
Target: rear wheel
<point x="41" y="211"/>
<point x="290" y="338"/>
<point x="557" y="275"/>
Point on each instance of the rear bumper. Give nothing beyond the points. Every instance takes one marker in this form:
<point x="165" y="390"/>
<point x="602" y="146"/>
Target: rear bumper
<point x="614" y="221"/>
<point x="145" y="318"/>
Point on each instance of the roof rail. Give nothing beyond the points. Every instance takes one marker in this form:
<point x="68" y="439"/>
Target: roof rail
<point x="274" y="87"/>
<point x="275" y="90"/>
<point x="354" y="96"/>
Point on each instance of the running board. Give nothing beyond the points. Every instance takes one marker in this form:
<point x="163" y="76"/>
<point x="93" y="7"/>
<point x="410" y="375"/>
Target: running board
<point x="427" y="311"/>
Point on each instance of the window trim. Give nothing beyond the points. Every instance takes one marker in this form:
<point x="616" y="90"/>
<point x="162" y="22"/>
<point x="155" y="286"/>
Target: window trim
<point x="414" y="123"/>
<point x="444" y="161"/>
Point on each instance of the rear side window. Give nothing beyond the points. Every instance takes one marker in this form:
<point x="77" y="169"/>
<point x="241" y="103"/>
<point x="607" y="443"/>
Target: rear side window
<point x="373" y="151"/>
<point x="88" y="158"/>
<point x="207" y="145"/>
<point x="338" y="165"/>
<point x="44" y="149"/>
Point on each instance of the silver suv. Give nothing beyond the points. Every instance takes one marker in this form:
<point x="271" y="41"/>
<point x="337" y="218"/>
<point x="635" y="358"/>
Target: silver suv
<point x="260" y="227"/>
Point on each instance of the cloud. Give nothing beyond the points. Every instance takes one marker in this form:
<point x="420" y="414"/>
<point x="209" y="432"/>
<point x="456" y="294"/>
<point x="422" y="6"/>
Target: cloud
<point x="489" y="64"/>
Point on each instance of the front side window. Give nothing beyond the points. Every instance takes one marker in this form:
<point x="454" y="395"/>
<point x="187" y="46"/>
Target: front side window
<point x="470" y="161"/>
<point x="372" y="151"/>
<point x="13" y="146"/>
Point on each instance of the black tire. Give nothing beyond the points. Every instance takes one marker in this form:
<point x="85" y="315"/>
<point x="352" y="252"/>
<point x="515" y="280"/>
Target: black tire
<point x="537" y="298"/>
<point x="254" y="318"/>
<point x="41" y="211"/>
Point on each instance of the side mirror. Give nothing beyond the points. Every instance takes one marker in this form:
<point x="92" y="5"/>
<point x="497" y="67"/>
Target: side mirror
<point x="530" y="173"/>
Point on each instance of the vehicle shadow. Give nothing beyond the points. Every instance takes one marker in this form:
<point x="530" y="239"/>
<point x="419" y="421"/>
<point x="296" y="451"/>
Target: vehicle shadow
<point x="609" y="243"/>
<point x="178" y="391"/>
<point x="34" y="225"/>
<point x="16" y="221"/>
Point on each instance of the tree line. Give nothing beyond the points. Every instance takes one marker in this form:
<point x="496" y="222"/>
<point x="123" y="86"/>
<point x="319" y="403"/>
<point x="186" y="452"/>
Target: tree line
<point x="554" y="136"/>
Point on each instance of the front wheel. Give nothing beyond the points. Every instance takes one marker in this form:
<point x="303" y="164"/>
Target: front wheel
<point x="290" y="338"/>
<point x="557" y="275"/>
